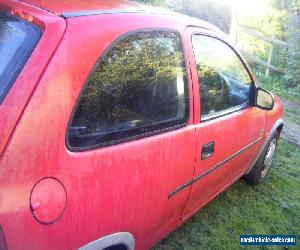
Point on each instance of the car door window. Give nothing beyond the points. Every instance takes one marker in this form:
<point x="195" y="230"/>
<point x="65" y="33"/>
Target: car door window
<point x="225" y="84"/>
<point x="138" y="88"/>
<point x="17" y="40"/>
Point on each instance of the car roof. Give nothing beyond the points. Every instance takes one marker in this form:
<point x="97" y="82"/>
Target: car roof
<point x="75" y="8"/>
<point x="60" y="7"/>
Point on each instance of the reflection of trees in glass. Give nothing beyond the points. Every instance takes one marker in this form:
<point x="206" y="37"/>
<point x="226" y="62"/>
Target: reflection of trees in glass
<point x="148" y="57"/>
<point x="135" y="62"/>
<point x="221" y="57"/>
<point x="224" y="81"/>
<point x="213" y="90"/>
<point x="136" y="82"/>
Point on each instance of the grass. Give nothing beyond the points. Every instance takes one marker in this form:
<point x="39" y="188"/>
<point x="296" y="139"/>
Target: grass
<point x="272" y="207"/>
<point x="275" y="84"/>
<point x="292" y="116"/>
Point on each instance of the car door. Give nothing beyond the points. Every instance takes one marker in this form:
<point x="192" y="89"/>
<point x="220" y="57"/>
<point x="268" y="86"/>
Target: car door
<point x="228" y="128"/>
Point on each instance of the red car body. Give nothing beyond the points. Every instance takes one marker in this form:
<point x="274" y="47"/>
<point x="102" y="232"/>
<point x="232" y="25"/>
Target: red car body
<point x="55" y="198"/>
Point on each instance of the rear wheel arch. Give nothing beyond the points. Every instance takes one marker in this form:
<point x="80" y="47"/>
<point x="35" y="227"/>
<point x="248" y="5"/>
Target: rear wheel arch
<point x="119" y="241"/>
<point x="117" y="247"/>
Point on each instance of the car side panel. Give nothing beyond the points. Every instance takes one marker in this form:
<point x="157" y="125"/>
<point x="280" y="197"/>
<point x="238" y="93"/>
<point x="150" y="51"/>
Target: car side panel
<point x="121" y="188"/>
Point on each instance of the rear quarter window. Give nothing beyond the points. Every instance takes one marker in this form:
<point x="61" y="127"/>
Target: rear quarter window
<point x="138" y="88"/>
<point x="17" y="41"/>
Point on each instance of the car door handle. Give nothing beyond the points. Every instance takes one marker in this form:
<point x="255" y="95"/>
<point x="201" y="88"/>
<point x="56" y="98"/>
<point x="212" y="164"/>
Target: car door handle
<point x="207" y="150"/>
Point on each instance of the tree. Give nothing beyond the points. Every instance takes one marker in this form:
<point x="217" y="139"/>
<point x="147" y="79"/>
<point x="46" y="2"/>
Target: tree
<point x="293" y="76"/>
<point x="152" y="2"/>
<point x="207" y="10"/>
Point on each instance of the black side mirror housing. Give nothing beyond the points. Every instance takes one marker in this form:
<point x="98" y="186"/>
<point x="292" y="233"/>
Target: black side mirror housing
<point x="264" y="99"/>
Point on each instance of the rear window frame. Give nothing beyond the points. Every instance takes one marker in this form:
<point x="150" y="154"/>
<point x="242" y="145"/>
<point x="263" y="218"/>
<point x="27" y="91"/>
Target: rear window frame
<point x="140" y="136"/>
<point x="33" y="41"/>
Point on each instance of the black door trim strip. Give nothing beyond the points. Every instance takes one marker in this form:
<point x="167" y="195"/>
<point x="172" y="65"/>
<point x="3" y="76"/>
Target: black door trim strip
<point x="199" y="177"/>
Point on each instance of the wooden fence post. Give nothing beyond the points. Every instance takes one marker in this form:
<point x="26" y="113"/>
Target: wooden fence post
<point x="273" y="41"/>
<point x="234" y="25"/>
<point x="269" y="62"/>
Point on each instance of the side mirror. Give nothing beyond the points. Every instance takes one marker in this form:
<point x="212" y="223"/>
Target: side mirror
<point x="264" y="99"/>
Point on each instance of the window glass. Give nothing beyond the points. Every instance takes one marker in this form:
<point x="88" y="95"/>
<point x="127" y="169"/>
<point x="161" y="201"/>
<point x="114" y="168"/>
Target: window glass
<point x="17" y="40"/>
<point x="140" y="86"/>
<point x="224" y="81"/>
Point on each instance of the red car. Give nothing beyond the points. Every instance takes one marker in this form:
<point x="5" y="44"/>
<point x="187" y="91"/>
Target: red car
<point x="119" y="121"/>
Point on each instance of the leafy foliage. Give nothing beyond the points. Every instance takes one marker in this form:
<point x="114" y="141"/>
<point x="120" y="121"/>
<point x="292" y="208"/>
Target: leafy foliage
<point x="280" y="21"/>
<point x="292" y="79"/>
<point x="276" y="85"/>
<point x="153" y="2"/>
<point x="215" y="13"/>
